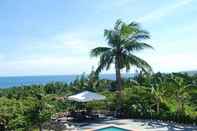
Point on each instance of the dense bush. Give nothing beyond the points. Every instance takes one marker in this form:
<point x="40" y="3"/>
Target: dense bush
<point x="145" y="96"/>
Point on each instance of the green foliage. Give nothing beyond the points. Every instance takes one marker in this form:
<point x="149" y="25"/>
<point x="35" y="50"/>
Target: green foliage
<point x="123" y="40"/>
<point x="170" y="97"/>
<point x="12" y="113"/>
<point x="28" y="107"/>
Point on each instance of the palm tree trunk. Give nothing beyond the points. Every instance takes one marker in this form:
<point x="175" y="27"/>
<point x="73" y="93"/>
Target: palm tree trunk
<point x="119" y="86"/>
<point x="178" y="110"/>
<point x="182" y="107"/>
<point x="158" y="107"/>
<point x="118" y="80"/>
<point x="40" y="127"/>
<point x="2" y="126"/>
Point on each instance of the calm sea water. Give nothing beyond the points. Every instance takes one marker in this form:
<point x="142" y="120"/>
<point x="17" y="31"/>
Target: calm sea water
<point x="29" y="80"/>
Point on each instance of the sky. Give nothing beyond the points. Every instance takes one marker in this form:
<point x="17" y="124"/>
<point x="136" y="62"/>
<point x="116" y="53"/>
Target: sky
<point x="50" y="37"/>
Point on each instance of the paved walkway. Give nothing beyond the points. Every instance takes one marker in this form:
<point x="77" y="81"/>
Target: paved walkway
<point x="140" y="125"/>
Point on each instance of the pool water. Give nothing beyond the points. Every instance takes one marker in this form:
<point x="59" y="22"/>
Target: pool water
<point x="112" y="129"/>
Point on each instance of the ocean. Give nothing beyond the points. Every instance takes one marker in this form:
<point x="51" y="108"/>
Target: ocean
<point x="6" y="82"/>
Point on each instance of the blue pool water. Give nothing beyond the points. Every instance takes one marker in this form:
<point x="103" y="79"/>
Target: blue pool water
<point x="112" y="129"/>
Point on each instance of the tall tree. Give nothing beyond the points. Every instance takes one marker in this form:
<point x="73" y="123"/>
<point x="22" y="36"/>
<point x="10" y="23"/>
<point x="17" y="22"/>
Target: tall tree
<point x="181" y="92"/>
<point x="159" y="86"/>
<point x="123" y="41"/>
<point x="40" y="112"/>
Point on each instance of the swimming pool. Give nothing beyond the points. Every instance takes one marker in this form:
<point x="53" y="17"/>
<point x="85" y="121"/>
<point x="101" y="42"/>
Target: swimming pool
<point x="112" y="128"/>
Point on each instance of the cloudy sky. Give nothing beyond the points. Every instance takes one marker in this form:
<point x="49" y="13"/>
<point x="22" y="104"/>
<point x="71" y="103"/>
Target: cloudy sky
<point x="41" y="37"/>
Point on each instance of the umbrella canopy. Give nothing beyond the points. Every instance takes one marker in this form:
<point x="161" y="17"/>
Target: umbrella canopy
<point x="86" y="96"/>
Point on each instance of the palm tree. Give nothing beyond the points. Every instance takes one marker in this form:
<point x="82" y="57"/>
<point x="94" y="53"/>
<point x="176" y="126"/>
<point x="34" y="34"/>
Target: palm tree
<point x="159" y="86"/>
<point x="181" y="92"/>
<point x="123" y="40"/>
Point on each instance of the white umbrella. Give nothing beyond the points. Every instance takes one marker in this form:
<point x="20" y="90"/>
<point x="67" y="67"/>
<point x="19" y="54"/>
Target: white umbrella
<point x="86" y="96"/>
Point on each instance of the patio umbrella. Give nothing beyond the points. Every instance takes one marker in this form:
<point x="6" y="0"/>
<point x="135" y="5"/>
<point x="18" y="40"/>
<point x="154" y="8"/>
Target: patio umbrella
<point x="86" y="96"/>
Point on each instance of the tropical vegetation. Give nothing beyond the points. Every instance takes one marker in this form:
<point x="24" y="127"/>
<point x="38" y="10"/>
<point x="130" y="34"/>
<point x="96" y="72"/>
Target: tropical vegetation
<point x="169" y="97"/>
<point x="123" y="41"/>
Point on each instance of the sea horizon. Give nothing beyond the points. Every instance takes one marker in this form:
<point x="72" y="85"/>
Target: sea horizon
<point x="13" y="81"/>
<point x="22" y="80"/>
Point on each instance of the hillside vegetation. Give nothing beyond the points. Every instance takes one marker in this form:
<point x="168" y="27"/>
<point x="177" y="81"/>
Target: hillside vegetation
<point x="169" y="97"/>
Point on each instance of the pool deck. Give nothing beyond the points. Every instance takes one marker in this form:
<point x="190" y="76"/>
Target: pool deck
<point x="139" y="125"/>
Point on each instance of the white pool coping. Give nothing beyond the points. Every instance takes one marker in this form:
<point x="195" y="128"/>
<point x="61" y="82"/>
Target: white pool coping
<point x="111" y="125"/>
<point x="138" y="125"/>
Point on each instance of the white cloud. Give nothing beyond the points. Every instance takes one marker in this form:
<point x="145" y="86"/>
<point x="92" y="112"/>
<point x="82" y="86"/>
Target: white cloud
<point x="68" y="52"/>
<point x="186" y="28"/>
<point x="63" y="53"/>
<point x="161" y="12"/>
<point x="111" y="5"/>
<point x="172" y="62"/>
<point x="47" y="66"/>
<point x="2" y="57"/>
<point x="120" y="3"/>
<point x="61" y="61"/>
<point x="76" y="43"/>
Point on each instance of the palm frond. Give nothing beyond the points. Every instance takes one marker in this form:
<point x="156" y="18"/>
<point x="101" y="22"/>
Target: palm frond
<point x="136" y="46"/>
<point x="99" y="51"/>
<point x="122" y="40"/>
<point x="140" y="63"/>
<point x="139" y="35"/>
<point x="134" y="24"/>
<point x="108" y="34"/>
<point x="118" y="24"/>
<point x="127" y="30"/>
<point x="106" y="60"/>
<point x="113" y="38"/>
